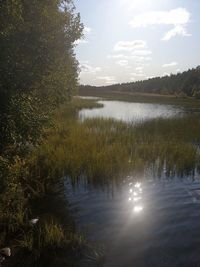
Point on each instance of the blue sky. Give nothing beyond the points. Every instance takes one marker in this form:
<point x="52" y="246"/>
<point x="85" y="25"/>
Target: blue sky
<point x="130" y="40"/>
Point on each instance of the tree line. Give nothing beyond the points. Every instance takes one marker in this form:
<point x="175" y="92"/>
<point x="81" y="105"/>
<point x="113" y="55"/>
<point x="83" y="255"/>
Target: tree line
<point x="182" y="84"/>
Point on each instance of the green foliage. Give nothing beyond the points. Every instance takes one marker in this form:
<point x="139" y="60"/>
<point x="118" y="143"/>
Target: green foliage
<point x="38" y="72"/>
<point x="38" y="69"/>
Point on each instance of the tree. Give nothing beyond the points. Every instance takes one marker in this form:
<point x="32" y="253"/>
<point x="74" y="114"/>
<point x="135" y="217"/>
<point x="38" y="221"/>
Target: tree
<point x="38" y="68"/>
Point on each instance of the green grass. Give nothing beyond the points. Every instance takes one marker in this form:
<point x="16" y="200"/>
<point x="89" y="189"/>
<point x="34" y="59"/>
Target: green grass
<point x="104" y="150"/>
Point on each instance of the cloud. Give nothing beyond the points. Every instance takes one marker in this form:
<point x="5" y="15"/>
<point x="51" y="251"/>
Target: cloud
<point x="166" y="74"/>
<point x="107" y="79"/>
<point x="86" y="68"/>
<point x="141" y="59"/>
<point x="118" y="56"/>
<point x="178" y="18"/>
<point x="129" y="45"/>
<point x="177" y="30"/>
<point x="150" y="77"/>
<point x="172" y="64"/>
<point x="134" y="74"/>
<point x="139" y="69"/>
<point x="141" y="52"/>
<point x="122" y="62"/>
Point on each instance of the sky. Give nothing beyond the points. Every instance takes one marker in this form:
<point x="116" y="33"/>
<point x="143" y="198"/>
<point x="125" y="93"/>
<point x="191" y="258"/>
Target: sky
<point x="130" y="40"/>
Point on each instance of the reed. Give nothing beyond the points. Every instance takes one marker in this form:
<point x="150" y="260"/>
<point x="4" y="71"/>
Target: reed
<point x="104" y="150"/>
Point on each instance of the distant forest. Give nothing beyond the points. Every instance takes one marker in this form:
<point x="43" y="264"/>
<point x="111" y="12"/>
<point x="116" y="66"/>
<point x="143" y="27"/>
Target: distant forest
<point x="182" y="84"/>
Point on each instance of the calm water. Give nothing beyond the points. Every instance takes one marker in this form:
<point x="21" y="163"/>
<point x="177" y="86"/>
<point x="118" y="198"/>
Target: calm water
<point x="131" y="112"/>
<point x="147" y="224"/>
<point x="152" y="223"/>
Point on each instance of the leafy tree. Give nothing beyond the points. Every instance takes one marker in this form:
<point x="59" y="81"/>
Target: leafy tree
<point x="38" y="69"/>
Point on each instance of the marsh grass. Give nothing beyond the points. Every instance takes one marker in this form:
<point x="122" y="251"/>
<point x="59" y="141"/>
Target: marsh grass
<point x="104" y="150"/>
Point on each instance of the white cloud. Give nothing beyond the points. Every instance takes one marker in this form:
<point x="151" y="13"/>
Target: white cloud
<point x="139" y="69"/>
<point x="107" y="79"/>
<point x="134" y="74"/>
<point x="178" y="18"/>
<point x="141" y="59"/>
<point x="122" y="62"/>
<point x="172" y="64"/>
<point x="129" y="45"/>
<point x="86" y="68"/>
<point x="141" y="52"/>
<point x="118" y="56"/>
<point x="150" y="77"/>
<point x="166" y="74"/>
<point x="177" y="30"/>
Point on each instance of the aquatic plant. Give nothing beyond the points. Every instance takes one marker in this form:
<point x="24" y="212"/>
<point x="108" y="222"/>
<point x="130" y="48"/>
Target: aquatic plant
<point x="103" y="150"/>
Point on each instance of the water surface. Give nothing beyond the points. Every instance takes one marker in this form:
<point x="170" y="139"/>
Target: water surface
<point x="148" y="224"/>
<point x="131" y="112"/>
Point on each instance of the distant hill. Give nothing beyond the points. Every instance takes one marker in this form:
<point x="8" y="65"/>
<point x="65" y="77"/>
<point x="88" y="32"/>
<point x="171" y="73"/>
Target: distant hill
<point x="182" y="84"/>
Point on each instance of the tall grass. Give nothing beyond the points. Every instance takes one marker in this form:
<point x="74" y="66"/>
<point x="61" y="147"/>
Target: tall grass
<point x="103" y="150"/>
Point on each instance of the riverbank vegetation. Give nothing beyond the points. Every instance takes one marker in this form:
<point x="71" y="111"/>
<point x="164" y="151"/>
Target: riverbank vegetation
<point x="38" y="72"/>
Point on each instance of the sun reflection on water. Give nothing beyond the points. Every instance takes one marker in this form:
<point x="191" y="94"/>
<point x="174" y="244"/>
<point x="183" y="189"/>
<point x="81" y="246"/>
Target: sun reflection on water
<point x="137" y="197"/>
<point x="137" y="208"/>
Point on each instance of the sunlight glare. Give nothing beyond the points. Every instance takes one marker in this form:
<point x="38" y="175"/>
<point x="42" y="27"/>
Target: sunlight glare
<point x="135" y="199"/>
<point x="138" y="209"/>
<point x="138" y="185"/>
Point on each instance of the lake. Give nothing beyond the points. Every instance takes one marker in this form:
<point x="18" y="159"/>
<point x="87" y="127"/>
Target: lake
<point x="144" y="221"/>
<point x="131" y="112"/>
